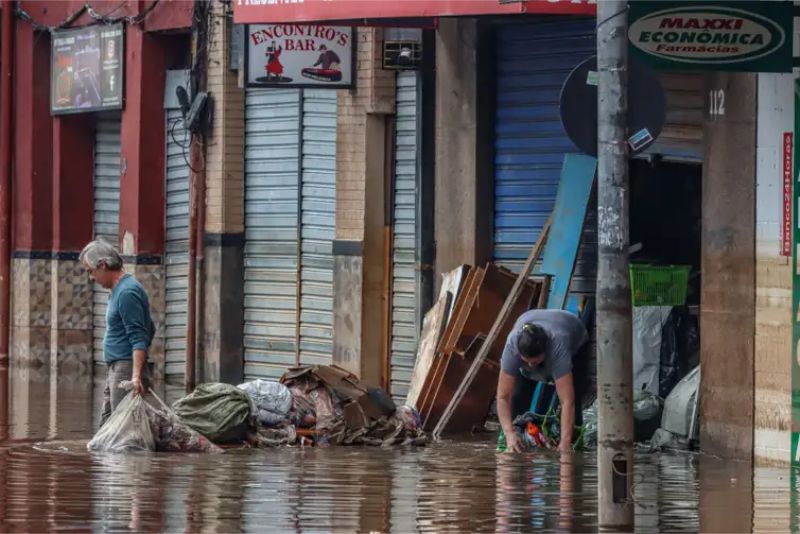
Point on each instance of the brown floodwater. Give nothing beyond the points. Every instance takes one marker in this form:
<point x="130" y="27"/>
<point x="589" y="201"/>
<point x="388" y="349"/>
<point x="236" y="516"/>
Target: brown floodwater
<point x="48" y="482"/>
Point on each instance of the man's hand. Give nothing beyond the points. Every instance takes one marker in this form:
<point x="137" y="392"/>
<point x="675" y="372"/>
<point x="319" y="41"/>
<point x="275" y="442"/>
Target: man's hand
<point x="513" y="443"/>
<point x="138" y="387"/>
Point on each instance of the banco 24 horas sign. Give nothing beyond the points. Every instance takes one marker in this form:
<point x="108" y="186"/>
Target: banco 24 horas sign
<point x="748" y="36"/>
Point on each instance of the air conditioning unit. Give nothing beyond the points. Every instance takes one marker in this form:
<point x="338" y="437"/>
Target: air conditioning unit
<point x="402" y="55"/>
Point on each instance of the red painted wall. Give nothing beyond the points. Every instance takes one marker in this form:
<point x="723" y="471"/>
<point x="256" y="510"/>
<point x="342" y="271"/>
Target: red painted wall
<point x="167" y="15"/>
<point x="143" y="143"/>
<point x="54" y="157"/>
<point x="73" y="187"/>
<point x="33" y="153"/>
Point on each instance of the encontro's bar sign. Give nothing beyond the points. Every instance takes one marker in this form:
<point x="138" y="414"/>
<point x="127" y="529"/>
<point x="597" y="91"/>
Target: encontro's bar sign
<point x="749" y="36"/>
<point x="289" y="55"/>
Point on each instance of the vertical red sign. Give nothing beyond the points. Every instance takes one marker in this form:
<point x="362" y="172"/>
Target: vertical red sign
<point x="786" y="233"/>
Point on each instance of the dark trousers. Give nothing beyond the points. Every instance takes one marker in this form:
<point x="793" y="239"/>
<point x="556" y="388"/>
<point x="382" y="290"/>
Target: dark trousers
<point x="524" y="388"/>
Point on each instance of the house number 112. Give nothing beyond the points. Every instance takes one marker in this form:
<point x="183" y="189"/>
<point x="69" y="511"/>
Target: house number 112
<point x="716" y="100"/>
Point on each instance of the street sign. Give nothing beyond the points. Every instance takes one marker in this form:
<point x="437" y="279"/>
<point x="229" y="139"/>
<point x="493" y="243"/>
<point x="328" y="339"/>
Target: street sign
<point x="747" y="36"/>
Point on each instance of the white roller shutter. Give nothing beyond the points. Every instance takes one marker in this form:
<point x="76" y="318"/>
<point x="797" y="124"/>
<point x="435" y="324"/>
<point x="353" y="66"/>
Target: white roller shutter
<point x="290" y="219"/>
<point x="405" y="282"/>
<point x="272" y="125"/>
<point x="318" y="226"/>
<point x="107" y="151"/>
<point x="177" y="244"/>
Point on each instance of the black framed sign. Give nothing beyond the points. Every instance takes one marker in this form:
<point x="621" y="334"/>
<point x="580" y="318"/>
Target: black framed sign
<point x="292" y="55"/>
<point x="87" y="66"/>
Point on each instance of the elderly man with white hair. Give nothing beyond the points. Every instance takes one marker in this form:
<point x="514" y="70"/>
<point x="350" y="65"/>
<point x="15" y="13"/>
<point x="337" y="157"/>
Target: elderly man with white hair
<point x="129" y="327"/>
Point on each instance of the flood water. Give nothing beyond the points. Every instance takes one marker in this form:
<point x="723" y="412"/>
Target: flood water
<point x="48" y="482"/>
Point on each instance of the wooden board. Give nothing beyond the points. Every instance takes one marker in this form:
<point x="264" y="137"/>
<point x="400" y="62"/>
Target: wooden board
<point x="432" y="328"/>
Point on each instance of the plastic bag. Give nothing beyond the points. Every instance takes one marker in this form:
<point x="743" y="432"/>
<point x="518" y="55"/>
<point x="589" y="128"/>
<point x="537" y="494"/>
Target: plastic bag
<point x="680" y="349"/>
<point x="646" y="414"/>
<point x="128" y="429"/>
<point x="221" y="412"/>
<point x="648" y="322"/>
<point x="136" y="425"/>
<point x="590" y="424"/>
<point x="273" y="401"/>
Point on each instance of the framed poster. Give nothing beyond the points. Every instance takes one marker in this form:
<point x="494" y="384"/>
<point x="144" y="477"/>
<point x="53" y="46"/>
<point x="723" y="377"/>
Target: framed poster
<point x="87" y="66"/>
<point x="290" y="55"/>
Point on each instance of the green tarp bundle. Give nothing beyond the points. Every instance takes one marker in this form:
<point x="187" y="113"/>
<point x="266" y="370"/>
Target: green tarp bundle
<point x="221" y="412"/>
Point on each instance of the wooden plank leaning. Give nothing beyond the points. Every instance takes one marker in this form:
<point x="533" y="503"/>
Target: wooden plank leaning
<point x="502" y="317"/>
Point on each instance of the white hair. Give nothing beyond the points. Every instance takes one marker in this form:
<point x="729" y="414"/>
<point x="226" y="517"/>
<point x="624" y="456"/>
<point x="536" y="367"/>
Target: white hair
<point x="99" y="251"/>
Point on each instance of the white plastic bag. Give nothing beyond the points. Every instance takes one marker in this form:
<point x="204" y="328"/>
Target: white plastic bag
<point x="273" y="400"/>
<point x="127" y="429"/>
<point x="648" y="322"/>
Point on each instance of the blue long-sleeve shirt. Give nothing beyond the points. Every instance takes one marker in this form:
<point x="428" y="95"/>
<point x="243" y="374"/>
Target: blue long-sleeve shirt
<point x="128" y="322"/>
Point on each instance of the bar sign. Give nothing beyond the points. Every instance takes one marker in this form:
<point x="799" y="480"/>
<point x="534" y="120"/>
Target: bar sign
<point x="786" y="237"/>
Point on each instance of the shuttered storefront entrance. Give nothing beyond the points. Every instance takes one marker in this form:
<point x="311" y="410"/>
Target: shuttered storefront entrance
<point x="533" y="60"/>
<point x="177" y="245"/>
<point x="107" y="151"/>
<point x="290" y="163"/>
<point x="405" y="283"/>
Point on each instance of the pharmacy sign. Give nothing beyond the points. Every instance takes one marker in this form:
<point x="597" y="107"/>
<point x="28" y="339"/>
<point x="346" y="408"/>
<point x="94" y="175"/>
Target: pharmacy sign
<point x="748" y="36"/>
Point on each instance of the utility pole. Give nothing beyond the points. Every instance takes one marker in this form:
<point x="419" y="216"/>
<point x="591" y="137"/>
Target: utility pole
<point x="614" y="355"/>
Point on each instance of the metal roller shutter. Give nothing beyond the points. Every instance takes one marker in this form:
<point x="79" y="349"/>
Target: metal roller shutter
<point x="533" y="60"/>
<point x="107" y="151"/>
<point x="405" y="286"/>
<point x="272" y="125"/>
<point x="318" y="226"/>
<point x="176" y="248"/>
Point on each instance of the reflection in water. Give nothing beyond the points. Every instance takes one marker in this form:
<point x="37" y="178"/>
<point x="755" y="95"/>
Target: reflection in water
<point x="448" y="487"/>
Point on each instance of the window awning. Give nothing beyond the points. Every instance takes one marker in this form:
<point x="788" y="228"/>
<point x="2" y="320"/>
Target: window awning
<point x="297" y="11"/>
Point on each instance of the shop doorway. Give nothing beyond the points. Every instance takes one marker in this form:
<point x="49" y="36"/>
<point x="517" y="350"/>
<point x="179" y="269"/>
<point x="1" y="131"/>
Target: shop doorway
<point x="665" y="238"/>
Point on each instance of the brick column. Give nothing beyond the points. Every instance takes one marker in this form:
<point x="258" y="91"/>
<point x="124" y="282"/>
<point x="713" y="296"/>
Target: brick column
<point x="30" y="328"/>
<point x="360" y="218"/>
<point x="220" y="357"/>
<point x="142" y="180"/>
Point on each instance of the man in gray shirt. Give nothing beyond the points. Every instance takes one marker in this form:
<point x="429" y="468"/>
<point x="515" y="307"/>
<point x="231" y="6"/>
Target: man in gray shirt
<point x="543" y="346"/>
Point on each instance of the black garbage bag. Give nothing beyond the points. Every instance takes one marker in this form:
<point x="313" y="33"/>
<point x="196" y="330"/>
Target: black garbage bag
<point x="680" y="349"/>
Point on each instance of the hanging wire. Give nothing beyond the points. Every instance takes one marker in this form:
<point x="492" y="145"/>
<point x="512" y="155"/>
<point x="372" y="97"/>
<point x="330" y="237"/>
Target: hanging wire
<point x="87" y="8"/>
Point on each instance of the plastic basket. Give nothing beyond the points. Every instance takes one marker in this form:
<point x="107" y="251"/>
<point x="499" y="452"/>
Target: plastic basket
<point x="654" y="285"/>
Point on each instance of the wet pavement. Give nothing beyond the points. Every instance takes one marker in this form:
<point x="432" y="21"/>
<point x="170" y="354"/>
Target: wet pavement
<point x="48" y="482"/>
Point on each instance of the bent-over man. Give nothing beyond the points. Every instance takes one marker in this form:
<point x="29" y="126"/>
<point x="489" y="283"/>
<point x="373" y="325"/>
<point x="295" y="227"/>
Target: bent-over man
<point x="129" y="326"/>
<point x="543" y="346"/>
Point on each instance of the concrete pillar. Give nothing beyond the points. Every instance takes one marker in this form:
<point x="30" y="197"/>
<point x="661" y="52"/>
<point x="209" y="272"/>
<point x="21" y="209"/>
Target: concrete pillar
<point x="464" y="177"/>
<point x="361" y="222"/>
<point x="220" y="357"/>
<point x="31" y="270"/>
<point x="773" y="338"/>
<point x="727" y="316"/>
<point x="142" y="180"/>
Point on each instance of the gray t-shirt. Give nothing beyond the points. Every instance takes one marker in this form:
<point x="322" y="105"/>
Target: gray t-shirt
<point x="567" y="335"/>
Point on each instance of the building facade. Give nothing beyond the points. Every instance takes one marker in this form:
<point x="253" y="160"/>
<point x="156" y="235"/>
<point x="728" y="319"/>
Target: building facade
<point x="330" y="215"/>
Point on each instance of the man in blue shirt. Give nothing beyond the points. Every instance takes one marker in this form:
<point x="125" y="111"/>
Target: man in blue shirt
<point x="129" y="327"/>
<point x="543" y="346"/>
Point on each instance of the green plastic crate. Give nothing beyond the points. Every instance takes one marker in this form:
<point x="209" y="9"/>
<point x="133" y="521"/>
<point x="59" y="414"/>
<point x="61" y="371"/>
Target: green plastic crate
<point x="655" y="285"/>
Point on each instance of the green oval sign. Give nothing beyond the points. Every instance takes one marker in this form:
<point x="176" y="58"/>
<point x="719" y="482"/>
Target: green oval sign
<point x="710" y="34"/>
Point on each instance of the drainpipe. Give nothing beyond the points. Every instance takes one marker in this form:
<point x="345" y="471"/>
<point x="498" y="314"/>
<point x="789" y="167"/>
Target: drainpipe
<point x="614" y="353"/>
<point x="197" y="196"/>
<point x="6" y="134"/>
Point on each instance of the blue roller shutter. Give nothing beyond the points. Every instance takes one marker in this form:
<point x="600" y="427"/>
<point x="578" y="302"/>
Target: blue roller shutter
<point x="533" y="60"/>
